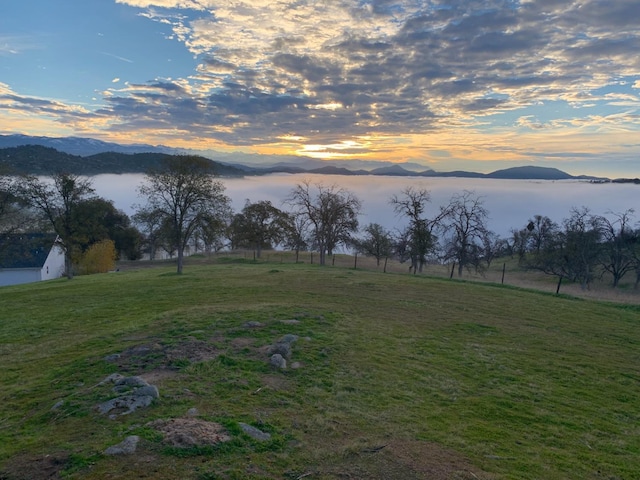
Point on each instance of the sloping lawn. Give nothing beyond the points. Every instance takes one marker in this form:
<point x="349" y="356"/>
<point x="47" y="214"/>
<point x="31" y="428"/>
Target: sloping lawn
<point x="389" y="376"/>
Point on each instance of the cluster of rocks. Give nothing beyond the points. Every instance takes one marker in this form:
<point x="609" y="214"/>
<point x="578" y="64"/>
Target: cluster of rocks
<point x="280" y="352"/>
<point x="132" y="393"/>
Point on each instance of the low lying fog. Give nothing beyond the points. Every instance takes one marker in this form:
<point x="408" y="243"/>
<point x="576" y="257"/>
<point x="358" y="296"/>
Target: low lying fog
<point x="510" y="203"/>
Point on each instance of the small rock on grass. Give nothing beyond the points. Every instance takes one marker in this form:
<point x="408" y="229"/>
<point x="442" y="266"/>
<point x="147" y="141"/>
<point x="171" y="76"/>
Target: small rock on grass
<point x="126" y="447"/>
<point x="255" y="433"/>
<point x="278" y="361"/>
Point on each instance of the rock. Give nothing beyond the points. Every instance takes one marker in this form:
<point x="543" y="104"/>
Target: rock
<point x="112" y="358"/>
<point x="150" y="390"/>
<point x="140" y="394"/>
<point x="125" y="405"/>
<point x="57" y="405"/>
<point x="192" y="412"/>
<point x="253" y="324"/>
<point x="278" y="361"/>
<point x="126" y="447"/>
<point x="283" y="349"/>
<point x="113" y="378"/>
<point x="254" y="433"/>
<point x="290" y="322"/>
<point x="296" y="365"/>
<point x="131" y="382"/>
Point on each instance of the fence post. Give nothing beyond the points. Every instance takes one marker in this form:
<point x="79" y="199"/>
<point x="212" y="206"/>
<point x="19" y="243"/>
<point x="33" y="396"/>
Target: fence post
<point x="355" y="261"/>
<point x="504" y="267"/>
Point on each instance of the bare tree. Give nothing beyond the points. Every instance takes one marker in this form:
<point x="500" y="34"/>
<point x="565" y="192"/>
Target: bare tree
<point x="465" y="230"/>
<point x="417" y="241"/>
<point x="185" y="193"/>
<point x="377" y="242"/>
<point x="618" y="244"/>
<point x="331" y="212"/>
<point x="58" y="202"/>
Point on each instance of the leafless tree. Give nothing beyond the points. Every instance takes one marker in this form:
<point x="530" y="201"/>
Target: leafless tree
<point x="185" y="193"/>
<point x="331" y="212"/>
<point x="464" y="224"/>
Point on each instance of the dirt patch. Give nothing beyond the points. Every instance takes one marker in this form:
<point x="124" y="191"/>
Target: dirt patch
<point x="190" y="432"/>
<point x="400" y="460"/>
<point x="35" y="467"/>
<point x="154" y="355"/>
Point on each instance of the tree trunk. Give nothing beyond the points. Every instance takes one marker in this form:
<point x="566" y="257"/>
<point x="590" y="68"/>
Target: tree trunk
<point x="68" y="265"/>
<point x="180" y="259"/>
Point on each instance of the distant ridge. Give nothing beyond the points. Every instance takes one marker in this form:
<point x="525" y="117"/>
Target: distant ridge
<point x="85" y="156"/>
<point x="530" y="172"/>
<point x="39" y="160"/>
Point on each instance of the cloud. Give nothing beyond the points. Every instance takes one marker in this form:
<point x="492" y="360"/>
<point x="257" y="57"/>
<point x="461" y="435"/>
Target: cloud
<point x="335" y="72"/>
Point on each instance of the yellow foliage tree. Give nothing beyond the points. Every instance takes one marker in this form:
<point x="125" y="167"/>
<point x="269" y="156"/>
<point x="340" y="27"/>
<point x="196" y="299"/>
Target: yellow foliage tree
<point x="99" y="258"/>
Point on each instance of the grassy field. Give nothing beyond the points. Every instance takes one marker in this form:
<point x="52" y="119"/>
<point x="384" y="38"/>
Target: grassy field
<point x="399" y="376"/>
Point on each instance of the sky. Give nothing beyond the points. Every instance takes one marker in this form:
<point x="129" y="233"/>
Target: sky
<point x="464" y="84"/>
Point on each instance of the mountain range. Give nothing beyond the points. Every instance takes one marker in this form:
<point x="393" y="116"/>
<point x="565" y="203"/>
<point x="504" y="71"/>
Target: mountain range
<point x="85" y="156"/>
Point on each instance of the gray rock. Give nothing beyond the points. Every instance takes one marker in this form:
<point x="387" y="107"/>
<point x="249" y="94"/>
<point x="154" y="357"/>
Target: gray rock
<point x="57" y="405"/>
<point x="150" y="390"/>
<point x="112" y="358"/>
<point x="126" y="404"/>
<point x="126" y="447"/>
<point x="253" y="324"/>
<point x="192" y="412"/>
<point x="290" y="322"/>
<point x="113" y="378"/>
<point x="278" y="361"/>
<point x="296" y="365"/>
<point x="255" y="433"/>
<point x="131" y="382"/>
<point x="283" y="349"/>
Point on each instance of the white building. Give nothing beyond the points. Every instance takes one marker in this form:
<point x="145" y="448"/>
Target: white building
<point x="30" y="257"/>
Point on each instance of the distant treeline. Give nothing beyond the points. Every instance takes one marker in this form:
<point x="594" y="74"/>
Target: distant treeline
<point x="39" y="160"/>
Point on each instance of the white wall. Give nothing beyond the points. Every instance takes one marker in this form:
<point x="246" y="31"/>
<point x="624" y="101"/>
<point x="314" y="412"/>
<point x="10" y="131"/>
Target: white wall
<point x="54" y="265"/>
<point x="14" y="276"/>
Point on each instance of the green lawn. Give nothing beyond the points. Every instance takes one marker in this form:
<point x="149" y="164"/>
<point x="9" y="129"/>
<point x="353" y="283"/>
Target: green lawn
<point x="400" y="376"/>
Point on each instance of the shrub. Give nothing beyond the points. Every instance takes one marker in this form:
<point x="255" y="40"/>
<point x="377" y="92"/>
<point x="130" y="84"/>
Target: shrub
<point x="99" y="258"/>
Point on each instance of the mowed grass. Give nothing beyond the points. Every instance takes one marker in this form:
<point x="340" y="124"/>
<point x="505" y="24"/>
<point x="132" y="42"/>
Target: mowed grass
<point x="512" y="383"/>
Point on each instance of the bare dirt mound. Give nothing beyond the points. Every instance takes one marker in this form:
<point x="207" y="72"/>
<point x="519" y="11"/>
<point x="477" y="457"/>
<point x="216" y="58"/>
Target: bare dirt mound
<point x="190" y="432"/>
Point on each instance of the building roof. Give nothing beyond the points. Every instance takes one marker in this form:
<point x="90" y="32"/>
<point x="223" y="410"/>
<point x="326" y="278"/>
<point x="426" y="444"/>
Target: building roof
<point x="25" y="250"/>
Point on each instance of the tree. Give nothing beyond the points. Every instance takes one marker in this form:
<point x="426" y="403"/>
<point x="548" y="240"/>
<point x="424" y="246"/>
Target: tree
<point x="98" y="219"/>
<point x="573" y="252"/>
<point x="376" y="243"/>
<point x="619" y="242"/>
<point x="259" y="225"/>
<point x="150" y="223"/>
<point x="541" y="231"/>
<point x="184" y="193"/>
<point x="100" y="257"/>
<point x="417" y="241"/>
<point x="465" y="229"/>
<point x="331" y="212"/>
<point x="58" y="202"/>
<point x="13" y="210"/>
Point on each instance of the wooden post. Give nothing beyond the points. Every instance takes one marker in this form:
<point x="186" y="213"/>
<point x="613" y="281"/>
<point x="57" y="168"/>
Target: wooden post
<point x="384" y="270"/>
<point x="355" y="261"/>
<point x="333" y="260"/>
<point x="559" y="283"/>
<point x="311" y="258"/>
<point x="453" y="267"/>
<point x="504" y="267"/>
